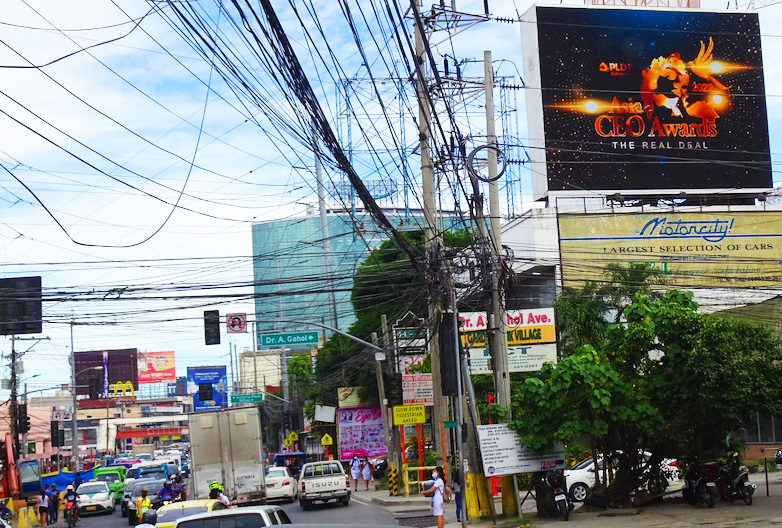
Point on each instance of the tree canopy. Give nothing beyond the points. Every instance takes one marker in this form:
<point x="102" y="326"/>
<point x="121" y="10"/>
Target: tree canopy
<point x="661" y="377"/>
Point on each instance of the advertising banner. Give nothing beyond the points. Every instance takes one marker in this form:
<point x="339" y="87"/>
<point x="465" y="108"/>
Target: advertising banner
<point x="156" y="367"/>
<point x="417" y="389"/>
<point x="520" y="359"/>
<point x="348" y="397"/>
<point x="360" y="432"/>
<point x="118" y="366"/>
<point x="502" y="453"/>
<point x="210" y="382"/>
<point x="642" y="99"/>
<point x="729" y="249"/>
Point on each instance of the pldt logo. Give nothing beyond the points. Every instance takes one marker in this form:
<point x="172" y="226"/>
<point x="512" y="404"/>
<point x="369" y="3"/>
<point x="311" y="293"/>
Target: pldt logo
<point x="616" y="68"/>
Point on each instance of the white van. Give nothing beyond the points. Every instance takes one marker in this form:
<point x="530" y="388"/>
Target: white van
<point x="245" y="517"/>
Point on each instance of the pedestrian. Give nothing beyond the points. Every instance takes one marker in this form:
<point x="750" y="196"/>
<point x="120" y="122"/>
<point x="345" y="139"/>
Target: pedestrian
<point x="77" y="481"/>
<point x="142" y="504"/>
<point x="436" y="491"/>
<point x="55" y="504"/>
<point x="355" y="471"/>
<point x="42" y="507"/>
<point x="49" y="500"/>
<point x="366" y="472"/>
<point x="456" y="486"/>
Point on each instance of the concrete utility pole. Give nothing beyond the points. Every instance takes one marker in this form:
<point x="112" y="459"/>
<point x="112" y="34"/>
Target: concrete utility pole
<point x="430" y="228"/>
<point x="14" y="404"/>
<point x="498" y="337"/>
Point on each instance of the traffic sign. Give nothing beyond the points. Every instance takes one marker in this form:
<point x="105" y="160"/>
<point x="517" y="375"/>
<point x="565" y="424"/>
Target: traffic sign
<point x="293" y="437"/>
<point x="287" y="442"/>
<point x="290" y="338"/>
<point x="236" y="323"/>
<point x="246" y="398"/>
<point x="409" y="414"/>
<point x="326" y="440"/>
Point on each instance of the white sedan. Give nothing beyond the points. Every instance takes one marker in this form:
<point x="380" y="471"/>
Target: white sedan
<point x="280" y="484"/>
<point x="95" y="497"/>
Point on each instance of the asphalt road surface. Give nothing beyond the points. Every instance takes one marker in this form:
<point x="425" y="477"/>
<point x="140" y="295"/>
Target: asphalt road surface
<point x="332" y="513"/>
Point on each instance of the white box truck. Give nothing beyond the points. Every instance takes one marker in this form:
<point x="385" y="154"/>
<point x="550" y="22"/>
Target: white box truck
<point x="227" y="446"/>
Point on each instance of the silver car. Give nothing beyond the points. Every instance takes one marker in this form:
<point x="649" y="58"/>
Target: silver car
<point x="247" y="517"/>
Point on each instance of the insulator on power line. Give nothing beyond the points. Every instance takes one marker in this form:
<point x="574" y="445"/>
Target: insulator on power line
<point x="458" y="72"/>
<point x="445" y="66"/>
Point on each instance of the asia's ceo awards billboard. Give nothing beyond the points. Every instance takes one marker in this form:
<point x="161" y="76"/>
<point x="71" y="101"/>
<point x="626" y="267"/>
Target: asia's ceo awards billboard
<point x="645" y="100"/>
<point x="734" y="249"/>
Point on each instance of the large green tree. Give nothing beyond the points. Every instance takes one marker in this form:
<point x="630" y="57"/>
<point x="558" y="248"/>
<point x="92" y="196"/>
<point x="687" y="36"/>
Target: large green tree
<point x="662" y="377"/>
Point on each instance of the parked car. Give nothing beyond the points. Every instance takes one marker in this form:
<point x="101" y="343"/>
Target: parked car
<point x="246" y="517"/>
<point x="168" y="514"/>
<point x="152" y="489"/>
<point x="280" y="484"/>
<point x="95" y="496"/>
<point x="380" y="465"/>
<point x="581" y="477"/>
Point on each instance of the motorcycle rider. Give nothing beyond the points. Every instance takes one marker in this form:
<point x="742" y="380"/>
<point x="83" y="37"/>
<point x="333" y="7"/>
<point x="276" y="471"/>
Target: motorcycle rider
<point x="166" y="493"/>
<point x="216" y="491"/>
<point x="72" y="497"/>
<point x="148" y="519"/>
<point x="179" y="487"/>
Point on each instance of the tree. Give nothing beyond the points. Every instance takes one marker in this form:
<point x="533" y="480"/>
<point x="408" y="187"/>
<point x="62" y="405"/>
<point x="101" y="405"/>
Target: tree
<point x="667" y="379"/>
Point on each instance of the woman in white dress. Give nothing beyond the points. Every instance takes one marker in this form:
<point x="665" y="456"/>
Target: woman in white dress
<point x="436" y="491"/>
<point x="366" y="471"/>
<point x="355" y="471"/>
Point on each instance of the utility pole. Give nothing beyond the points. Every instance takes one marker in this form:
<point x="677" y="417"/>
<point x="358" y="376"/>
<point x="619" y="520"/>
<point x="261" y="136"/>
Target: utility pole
<point x="430" y="228"/>
<point x="14" y="403"/>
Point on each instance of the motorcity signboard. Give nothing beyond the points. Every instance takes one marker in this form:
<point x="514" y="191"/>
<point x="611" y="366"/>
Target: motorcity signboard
<point x="641" y="99"/>
<point x="733" y="249"/>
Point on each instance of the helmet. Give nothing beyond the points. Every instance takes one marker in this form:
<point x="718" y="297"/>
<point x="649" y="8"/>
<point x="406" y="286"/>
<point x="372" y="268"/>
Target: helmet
<point x="149" y="516"/>
<point x="167" y="484"/>
<point x="70" y="487"/>
<point x="144" y="490"/>
<point x="214" y="485"/>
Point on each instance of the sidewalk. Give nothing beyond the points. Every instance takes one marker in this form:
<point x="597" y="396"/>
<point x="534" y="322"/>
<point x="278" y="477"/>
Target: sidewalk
<point x="765" y="512"/>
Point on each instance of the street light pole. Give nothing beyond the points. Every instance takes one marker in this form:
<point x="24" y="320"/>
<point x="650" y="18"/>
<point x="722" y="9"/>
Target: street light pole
<point x="74" y="442"/>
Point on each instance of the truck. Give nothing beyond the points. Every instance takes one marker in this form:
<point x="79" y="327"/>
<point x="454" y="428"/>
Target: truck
<point x="323" y="482"/>
<point x="145" y="451"/>
<point x="226" y="446"/>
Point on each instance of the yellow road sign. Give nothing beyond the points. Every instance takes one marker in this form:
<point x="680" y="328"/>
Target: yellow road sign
<point x="287" y="442"/>
<point x="326" y="440"/>
<point x="409" y="414"/>
<point x="293" y="437"/>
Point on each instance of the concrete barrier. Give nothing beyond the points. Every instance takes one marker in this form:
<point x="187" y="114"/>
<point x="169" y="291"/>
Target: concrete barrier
<point x="21" y="518"/>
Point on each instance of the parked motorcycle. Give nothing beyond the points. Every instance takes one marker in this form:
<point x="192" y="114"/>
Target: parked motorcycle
<point x="734" y="483"/>
<point x="555" y="479"/>
<point x="71" y="514"/>
<point x="698" y="489"/>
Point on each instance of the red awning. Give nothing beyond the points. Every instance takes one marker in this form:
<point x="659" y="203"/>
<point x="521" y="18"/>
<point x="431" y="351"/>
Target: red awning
<point x="152" y="432"/>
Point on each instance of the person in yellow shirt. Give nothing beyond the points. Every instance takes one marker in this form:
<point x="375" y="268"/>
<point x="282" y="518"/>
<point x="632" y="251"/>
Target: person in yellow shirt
<point x="142" y="504"/>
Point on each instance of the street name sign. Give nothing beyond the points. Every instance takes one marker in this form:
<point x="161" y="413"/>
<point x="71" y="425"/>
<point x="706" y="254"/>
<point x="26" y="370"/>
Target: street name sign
<point x="290" y="338"/>
<point x="246" y="398"/>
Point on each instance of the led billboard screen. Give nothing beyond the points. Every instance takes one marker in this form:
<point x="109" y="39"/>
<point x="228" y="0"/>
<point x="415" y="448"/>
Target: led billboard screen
<point x="639" y="99"/>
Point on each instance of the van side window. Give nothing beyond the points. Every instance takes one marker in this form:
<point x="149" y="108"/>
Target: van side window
<point x="284" y="519"/>
<point x="229" y="521"/>
<point x="273" y="518"/>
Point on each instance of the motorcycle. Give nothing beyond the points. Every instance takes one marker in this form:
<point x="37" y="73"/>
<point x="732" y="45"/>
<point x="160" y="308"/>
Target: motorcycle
<point x="735" y="487"/>
<point x="697" y="488"/>
<point x="556" y="481"/>
<point x="71" y="514"/>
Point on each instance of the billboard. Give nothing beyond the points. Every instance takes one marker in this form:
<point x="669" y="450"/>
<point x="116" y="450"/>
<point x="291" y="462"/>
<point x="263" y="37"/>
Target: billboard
<point x="208" y="387"/>
<point x="156" y="367"/>
<point x="646" y="100"/>
<point x="361" y="432"/>
<point x="21" y="307"/>
<point x="116" y="366"/>
<point x="736" y="249"/>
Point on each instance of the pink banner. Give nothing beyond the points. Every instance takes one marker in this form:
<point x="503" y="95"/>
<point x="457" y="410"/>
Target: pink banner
<point x="156" y="367"/>
<point x="361" y="433"/>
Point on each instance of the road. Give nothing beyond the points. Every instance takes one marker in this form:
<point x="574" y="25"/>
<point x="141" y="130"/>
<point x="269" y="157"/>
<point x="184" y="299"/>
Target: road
<point x="354" y="514"/>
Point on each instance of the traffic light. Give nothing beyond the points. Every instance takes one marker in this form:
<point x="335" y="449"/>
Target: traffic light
<point x="394" y="390"/>
<point x="55" y="433"/>
<point x="22" y="419"/>
<point x="212" y="327"/>
<point x="93" y="388"/>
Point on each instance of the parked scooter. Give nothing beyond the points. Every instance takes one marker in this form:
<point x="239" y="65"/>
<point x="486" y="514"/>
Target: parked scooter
<point x="698" y="489"/>
<point x="734" y="483"/>
<point x="555" y="479"/>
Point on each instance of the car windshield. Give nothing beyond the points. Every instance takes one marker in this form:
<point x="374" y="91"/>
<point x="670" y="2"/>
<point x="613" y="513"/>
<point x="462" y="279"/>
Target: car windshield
<point x="154" y="473"/>
<point x="584" y="463"/>
<point x="91" y="488"/>
<point x="276" y="472"/>
<point x="107" y="477"/>
<point x="152" y="488"/>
